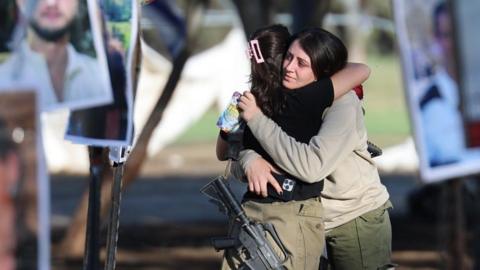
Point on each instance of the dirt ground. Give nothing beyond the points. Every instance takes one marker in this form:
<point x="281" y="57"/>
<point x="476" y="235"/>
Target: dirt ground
<point x="187" y="247"/>
<point x="183" y="243"/>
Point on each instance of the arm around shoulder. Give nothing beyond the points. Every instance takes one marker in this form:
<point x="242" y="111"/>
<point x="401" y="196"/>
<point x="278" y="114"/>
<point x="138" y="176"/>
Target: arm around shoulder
<point x="346" y="79"/>
<point x="313" y="161"/>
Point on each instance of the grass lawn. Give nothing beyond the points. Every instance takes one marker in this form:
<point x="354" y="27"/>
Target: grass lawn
<point x="204" y="130"/>
<point x="386" y="113"/>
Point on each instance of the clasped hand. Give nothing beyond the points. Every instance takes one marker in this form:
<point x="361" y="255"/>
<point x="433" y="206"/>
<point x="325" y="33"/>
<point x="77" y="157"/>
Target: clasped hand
<point x="248" y="106"/>
<point x="259" y="174"/>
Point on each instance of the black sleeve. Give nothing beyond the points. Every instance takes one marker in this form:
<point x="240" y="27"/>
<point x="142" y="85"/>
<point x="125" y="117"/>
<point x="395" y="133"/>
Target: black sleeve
<point x="224" y="135"/>
<point x="319" y="96"/>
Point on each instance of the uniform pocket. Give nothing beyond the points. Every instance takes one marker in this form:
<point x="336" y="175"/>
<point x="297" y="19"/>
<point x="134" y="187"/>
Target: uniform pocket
<point x="377" y="216"/>
<point x="374" y="216"/>
<point x="311" y="208"/>
<point x="311" y="232"/>
<point x="375" y="236"/>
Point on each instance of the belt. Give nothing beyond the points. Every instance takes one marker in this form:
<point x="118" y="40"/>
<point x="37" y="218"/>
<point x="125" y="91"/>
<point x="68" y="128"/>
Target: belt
<point x="293" y="190"/>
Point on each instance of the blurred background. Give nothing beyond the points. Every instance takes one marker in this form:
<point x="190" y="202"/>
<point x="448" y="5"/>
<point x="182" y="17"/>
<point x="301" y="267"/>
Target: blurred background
<point x="195" y="46"/>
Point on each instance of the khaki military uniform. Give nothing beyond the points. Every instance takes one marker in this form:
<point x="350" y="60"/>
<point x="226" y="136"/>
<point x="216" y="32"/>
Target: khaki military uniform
<point x="355" y="201"/>
<point x="299" y="225"/>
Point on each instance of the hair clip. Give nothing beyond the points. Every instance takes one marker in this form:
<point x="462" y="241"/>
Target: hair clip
<point x="254" y="50"/>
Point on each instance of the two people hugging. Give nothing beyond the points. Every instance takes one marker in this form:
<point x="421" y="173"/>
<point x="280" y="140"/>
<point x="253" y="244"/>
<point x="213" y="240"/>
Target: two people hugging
<point x="303" y="123"/>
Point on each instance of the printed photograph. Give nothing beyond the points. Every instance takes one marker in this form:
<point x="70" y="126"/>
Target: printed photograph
<point x="466" y="26"/>
<point x="436" y="100"/>
<point x="56" y="47"/>
<point x="111" y="125"/>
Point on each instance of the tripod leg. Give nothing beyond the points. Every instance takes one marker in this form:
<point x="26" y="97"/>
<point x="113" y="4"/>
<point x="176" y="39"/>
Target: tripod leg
<point x="113" y="224"/>
<point x="91" y="256"/>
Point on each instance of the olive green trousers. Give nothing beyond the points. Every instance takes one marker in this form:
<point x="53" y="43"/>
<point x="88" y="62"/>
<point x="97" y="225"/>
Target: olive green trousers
<point x="363" y="243"/>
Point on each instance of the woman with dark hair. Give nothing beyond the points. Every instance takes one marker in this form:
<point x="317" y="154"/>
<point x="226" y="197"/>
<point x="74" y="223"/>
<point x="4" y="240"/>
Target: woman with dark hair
<point x="298" y="218"/>
<point x="358" y="230"/>
<point x="325" y="50"/>
<point x="265" y="78"/>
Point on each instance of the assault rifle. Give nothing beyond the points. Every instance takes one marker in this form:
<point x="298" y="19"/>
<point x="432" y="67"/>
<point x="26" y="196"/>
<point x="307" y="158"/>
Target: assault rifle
<point x="251" y="242"/>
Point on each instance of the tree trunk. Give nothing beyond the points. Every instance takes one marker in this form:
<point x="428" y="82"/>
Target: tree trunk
<point x="308" y="13"/>
<point x="254" y="14"/>
<point x="357" y="36"/>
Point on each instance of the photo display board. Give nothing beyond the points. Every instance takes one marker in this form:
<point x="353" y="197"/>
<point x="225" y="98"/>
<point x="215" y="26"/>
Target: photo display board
<point x="435" y="72"/>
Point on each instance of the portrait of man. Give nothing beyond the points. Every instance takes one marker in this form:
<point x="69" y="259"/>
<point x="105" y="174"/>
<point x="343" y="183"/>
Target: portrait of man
<point x="47" y="57"/>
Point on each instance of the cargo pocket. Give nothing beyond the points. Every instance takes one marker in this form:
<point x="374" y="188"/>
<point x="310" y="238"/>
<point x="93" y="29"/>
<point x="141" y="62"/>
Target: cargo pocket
<point x="377" y="216"/>
<point x="375" y="235"/>
<point x="388" y="266"/>
<point x="312" y="232"/>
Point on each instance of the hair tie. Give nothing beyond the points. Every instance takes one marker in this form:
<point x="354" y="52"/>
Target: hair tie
<point x="254" y="50"/>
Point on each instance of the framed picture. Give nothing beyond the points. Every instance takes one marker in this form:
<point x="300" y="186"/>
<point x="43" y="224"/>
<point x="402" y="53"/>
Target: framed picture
<point x="58" y="49"/>
<point x="435" y="95"/>
<point x="111" y="125"/>
<point x="465" y="21"/>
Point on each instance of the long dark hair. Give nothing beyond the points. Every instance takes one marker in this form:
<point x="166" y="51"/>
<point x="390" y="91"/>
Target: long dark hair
<point x="327" y="52"/>
<point x="266" y="77"/>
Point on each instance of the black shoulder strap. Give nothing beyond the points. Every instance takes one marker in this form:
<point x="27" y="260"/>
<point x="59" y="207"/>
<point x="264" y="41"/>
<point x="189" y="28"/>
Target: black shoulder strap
<point x="235" y="142"/>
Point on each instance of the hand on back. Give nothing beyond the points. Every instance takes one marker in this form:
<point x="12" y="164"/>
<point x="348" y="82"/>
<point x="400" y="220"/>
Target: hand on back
<point x="259" y="174"/>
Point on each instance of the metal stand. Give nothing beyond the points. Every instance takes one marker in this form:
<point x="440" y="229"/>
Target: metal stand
<point x="91" y="256"/>
<point x="457" y="217"/>
<point x="118" y="156"/>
